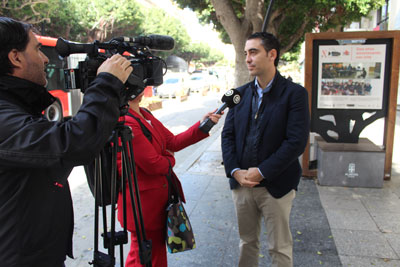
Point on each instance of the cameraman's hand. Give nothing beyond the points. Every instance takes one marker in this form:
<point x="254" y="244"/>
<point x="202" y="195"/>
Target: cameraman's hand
<point x="118" y="66"/>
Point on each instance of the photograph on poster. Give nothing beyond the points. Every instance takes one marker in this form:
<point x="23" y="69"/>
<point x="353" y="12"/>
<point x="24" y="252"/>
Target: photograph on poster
<point x="360" y="70"/>
<point x="346" y="87"/>
<point x="351" y="77"/>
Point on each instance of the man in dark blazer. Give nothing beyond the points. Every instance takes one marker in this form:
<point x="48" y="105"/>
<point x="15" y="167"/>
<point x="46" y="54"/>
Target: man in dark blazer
<point x="263" y="137"/>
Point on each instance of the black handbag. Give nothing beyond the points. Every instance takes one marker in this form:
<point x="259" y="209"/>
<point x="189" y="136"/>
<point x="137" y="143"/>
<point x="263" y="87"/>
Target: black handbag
<point x="179" y="236"/>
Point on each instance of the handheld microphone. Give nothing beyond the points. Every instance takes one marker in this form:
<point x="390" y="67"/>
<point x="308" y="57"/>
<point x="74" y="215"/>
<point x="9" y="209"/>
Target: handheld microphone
<point x="230" y="99"/>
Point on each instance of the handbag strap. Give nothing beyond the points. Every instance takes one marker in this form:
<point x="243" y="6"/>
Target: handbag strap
<point x="173" y="195"/>
<point x="145" y="131"/>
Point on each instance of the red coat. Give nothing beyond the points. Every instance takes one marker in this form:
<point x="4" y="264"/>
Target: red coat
<point x="152" y="165"/>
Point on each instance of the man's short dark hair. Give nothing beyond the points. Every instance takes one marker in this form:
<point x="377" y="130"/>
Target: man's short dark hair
<point x="269" y="42"/>
<point x="13" y="35"/>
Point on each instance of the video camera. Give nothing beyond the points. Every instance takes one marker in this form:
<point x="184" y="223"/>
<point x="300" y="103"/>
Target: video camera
<point x="147" y="68"/>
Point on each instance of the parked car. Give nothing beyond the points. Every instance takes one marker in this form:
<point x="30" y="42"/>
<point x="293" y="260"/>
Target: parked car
<point x="172" y="87"/>
<point x="199" y="83"/>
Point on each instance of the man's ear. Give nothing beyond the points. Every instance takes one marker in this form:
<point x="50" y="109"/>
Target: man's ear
<point x="15" y="58"/>
<point x="272" y="54"/>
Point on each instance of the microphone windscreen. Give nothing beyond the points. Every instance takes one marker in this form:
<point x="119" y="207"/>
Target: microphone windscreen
<point x="161" y="42"/>
<point x="231" y="98"/>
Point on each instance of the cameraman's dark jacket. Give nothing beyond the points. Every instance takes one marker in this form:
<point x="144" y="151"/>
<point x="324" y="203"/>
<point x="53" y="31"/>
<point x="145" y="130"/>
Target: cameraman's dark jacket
<point x="36" y="158"/>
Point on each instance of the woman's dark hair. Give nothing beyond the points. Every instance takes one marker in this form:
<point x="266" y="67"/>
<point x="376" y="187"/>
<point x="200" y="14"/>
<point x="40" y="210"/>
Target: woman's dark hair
<point x="13" y="35"/>
<point x="269" y="42"/>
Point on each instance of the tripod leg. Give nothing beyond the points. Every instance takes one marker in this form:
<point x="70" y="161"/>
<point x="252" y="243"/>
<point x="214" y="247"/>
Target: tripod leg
<point x="130" y="169"/>
<point x="128" y="173"/>
<point x="100" y="259"/>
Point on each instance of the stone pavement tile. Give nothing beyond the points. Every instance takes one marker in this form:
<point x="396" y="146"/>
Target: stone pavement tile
<point x="362" y="243"/>
<point x="214" y="213"/>
<point x="216" y="145"/>
<point x="354" y="261"/>
<point x="194" y="185"/>
<point x="209" y="251"/>
<point x="396" y="189"/>
<point x="387" y="222"/>
<point x="385" y="191"/>
<point x="357" y="193"/>
<point x="314" y="242"/>
<point x="351" y="220"/>
<point x="385" y="203"/>
<point x="310" y="260"/>
<point x="209" y="163"/>
<point x="336" y="201"/>
<point x="337" y="191"/>
<point x="394" y="241"/>
<point x="190" y="206"/>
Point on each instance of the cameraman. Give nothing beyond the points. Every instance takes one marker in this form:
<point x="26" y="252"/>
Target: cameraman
<point x="37" y="155"/>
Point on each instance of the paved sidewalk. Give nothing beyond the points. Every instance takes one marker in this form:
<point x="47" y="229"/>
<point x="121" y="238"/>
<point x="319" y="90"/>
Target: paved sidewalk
<point x="365" y="223"/>
<point x="211" y="211"/>
<point x="331" y="226"/>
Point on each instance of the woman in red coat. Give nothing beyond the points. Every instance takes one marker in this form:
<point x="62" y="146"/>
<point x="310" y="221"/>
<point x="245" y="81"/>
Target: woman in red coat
<point x="152" y="161"/>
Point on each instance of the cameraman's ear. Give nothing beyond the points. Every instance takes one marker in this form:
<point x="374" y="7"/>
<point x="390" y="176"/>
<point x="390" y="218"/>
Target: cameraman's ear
<point x="15" y="58"/>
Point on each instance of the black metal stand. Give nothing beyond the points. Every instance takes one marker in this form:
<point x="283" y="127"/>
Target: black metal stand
<point x="121" y="142"/>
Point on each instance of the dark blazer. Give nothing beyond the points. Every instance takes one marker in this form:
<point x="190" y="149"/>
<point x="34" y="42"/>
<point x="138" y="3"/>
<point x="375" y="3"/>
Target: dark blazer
<point x="36" y="158"/>
<point x="284" y="133"/>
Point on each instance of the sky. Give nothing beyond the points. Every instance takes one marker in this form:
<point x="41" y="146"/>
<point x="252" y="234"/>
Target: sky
<point x="197" y="32"/>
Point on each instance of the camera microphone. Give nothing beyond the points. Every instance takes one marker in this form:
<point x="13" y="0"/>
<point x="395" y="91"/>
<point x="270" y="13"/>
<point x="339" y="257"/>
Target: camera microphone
<point x="230" y="99"/>
<point x="153" y="41"/>
<point x="66" y="48"/>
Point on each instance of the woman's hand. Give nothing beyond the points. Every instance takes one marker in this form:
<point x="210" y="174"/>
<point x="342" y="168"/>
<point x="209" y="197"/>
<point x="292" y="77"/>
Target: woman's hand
<point x="170" y="152"/>
<point x="214" y="117"/>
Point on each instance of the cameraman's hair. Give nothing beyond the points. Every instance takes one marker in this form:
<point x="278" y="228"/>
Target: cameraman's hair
<point x="269" y="42"/>
<point x="13" y="35"/>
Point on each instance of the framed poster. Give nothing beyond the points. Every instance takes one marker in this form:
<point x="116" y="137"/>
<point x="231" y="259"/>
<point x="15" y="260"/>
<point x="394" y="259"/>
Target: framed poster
<point x="352" y="79"/>
<point x="351" y="76"/>
<point x="350" y="86"/>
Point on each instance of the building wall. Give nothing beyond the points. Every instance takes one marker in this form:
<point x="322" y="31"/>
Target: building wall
<point x="394" y="15"/>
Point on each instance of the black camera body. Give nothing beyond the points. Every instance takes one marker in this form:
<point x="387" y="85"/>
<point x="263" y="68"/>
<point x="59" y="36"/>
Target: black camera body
<point x="147" y="68"/>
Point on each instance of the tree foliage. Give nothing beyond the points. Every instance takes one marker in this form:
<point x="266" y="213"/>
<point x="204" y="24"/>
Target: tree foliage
<point x="159" y="22"/>
<point x="86" y="21"/>
<point x="103" y="19"/>
<point x="50" y="17"/>
<point x="289" y="20"/>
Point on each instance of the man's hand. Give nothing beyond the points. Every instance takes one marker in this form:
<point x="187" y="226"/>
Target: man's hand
<point x="240" y="177"/>
<point x="118" y="66"/>
<point x="253" y="175"/>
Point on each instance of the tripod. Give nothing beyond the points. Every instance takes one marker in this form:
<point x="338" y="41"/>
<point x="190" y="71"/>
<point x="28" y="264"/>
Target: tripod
<point x="121" y="141"/>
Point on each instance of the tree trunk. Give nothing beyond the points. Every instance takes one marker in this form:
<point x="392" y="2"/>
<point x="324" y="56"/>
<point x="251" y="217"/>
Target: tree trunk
<point x="241" y="72"/>
<point x="238" y="31"/>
